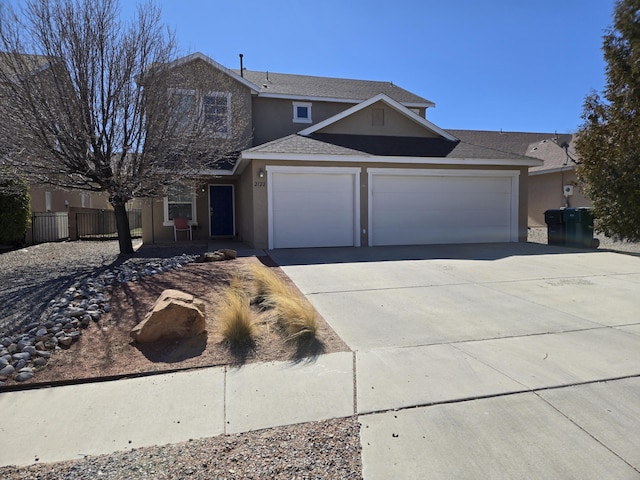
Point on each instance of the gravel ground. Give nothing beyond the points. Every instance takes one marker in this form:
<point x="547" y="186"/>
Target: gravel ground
<point x="319" y="450"/>
<point x="539" y="235"/>
<point x="32" y="276"/>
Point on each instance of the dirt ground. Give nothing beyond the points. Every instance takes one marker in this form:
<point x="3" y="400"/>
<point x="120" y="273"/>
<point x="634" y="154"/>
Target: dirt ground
<point x="105" y="349"/>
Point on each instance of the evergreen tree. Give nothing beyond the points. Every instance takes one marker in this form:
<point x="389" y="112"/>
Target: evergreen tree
<point x="609" y="139"/>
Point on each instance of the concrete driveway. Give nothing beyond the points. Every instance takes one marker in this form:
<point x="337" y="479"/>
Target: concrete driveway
<point x="486" y="361"/>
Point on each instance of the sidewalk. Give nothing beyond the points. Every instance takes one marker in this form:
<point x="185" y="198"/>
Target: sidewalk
<point x="67" y="423"/>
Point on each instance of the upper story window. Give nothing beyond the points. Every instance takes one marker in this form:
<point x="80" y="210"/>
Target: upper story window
<point x="213" y="109"/>
<point x="302" y="112"/>
<point x="217" y="112"/>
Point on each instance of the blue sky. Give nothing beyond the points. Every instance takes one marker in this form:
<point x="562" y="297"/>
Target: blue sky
<point x="515" y="65"/>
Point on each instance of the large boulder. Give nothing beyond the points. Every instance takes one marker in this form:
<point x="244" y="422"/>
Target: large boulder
<point x="175" y="315"/>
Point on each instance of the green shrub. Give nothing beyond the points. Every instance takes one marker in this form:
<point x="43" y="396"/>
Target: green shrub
<point x="15" y="209"/>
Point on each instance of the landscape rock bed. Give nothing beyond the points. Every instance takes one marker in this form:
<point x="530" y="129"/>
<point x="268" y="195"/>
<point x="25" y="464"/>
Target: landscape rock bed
<point x="65" y="318"/>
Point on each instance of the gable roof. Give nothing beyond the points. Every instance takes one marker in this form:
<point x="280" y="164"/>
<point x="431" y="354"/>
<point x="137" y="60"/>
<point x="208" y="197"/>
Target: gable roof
<point x="558" y="155"/>
<point x="202" y="57"/>
<point x="388" y="101"/>
<point x="383" y="149"/>
<point x="544" y="146"/>
<point x="307" y="87"/>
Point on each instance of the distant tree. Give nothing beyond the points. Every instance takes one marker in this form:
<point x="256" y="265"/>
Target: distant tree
<point x="609" y="140"/>
<point x="15" y="210"/>
<point x="86" y="103"/>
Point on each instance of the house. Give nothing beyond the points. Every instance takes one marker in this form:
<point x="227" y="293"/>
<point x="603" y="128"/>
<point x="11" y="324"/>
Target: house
<point x="339" y="162"/>
<point x="45" y="198"/>
<point x="553" y="184"/>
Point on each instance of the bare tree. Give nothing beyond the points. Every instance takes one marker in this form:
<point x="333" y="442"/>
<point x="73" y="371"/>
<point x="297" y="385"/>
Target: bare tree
<point x="89" y="102"/>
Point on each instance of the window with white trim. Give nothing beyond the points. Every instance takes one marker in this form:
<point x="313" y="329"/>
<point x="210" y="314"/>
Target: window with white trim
<point x="217" y="112"/>
<point x="180" y="203"/>
<point x="302" y="112"/>
<point x="213" y="109"/>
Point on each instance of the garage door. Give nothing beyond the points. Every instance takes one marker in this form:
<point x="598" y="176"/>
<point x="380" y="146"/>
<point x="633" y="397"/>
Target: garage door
<point x="415" y="207"/>
<point x="313" y="207"/>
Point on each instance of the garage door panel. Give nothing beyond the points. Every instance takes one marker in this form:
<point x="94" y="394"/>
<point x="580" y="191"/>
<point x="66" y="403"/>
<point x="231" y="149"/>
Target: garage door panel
<point x="312" y="210"/>
<point x="423" y="209"/>
<point x="311" y="200"/>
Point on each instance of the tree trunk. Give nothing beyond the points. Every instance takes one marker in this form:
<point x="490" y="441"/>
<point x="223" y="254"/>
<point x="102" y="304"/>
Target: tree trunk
<point x="124" y="232"/>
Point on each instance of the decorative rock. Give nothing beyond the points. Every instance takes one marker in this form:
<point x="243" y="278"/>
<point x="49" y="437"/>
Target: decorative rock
<point x="18" y="364"/>
<point x="218" y="255"/>
<point x="174" y="315"/>
<point x="30" y="349"/>
<point x="40" y="362"/>
<point x="21" y="356"/>
<point x="7" y="370"/>
<point x="75" y="312"/>
<point x="43" y="354"/>
<point x="24" y="376"/>
<point x="65" y="341"/>
<point x="12" y="348"/>
<point x="41" y="332"/>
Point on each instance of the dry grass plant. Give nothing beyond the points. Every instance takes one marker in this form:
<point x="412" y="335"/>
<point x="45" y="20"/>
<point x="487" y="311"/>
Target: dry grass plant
<point x="296" y="315"/>
<point x="267" y="283"/>
<point x="237" y="323"/>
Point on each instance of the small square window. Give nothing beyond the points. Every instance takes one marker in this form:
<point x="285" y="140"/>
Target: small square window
<point x="301" y="112"/>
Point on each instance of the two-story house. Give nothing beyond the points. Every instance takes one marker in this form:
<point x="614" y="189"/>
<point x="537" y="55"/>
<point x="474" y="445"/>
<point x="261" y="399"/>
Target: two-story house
<point x="338" y="162"/>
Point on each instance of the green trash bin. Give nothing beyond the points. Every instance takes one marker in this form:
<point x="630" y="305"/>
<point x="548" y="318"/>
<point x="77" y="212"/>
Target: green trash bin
<point x="579" y="228"/>
<point x="556" y="229"/>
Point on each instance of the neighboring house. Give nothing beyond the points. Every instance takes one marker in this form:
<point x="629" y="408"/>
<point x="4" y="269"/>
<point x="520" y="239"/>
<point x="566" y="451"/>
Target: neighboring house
<point x="551" y="185"/>
<point x="554" y="184"/>
<point x="339" y="162"/>
<point x="49" y="198"/>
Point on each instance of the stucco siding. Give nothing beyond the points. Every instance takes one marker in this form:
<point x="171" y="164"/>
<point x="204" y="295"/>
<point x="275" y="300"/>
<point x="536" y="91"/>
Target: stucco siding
<point x="273" y="117"/>
<point x="381" y="120"/>
<point x="546" y="192"/>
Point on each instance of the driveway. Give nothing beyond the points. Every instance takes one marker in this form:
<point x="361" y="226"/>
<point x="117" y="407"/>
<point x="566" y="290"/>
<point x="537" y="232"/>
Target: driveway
<point x="486" y="361"/>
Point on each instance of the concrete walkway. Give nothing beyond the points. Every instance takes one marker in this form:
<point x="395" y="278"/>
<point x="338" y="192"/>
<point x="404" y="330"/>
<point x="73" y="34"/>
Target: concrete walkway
<point x="472" y="361"/>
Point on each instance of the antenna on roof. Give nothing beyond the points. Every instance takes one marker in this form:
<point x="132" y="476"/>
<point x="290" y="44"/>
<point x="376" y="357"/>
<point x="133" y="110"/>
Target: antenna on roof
<point x="241" y="70"/>
<point x="267" y="75"/>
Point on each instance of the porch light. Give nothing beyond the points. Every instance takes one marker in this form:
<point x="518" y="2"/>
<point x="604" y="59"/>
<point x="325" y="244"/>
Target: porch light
<point x="261" y="173"/>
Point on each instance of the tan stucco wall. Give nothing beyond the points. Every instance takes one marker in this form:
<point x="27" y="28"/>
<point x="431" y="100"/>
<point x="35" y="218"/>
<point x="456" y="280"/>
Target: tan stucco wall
<point x="99" y="200"/>
<point x="201" y="76"/>
<point x="273" y="117"/>
<point x="395" y="124"/>
<point x="546" y="192"/>
<point x="154" y="231"/>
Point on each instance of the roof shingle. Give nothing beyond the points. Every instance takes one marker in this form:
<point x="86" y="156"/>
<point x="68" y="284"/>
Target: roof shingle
<point x="326" y="87"/>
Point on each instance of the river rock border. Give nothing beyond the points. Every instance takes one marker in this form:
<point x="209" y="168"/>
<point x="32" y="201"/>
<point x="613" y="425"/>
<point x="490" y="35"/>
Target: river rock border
<point x="81" y="304"/>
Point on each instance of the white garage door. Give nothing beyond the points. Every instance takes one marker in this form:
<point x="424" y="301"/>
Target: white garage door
<point x="415" y="207"/>
<point x="313" y="207"/>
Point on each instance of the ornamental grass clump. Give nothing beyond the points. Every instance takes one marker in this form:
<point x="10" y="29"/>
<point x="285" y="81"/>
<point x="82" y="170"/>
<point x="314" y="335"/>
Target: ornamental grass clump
<point x="296" y="315"/>
<point x="237" y="324"/>
<point x="267" y="283"/>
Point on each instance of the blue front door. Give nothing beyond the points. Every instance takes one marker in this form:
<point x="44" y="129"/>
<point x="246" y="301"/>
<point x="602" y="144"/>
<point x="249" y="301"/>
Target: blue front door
<point x="221" y="208"/>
